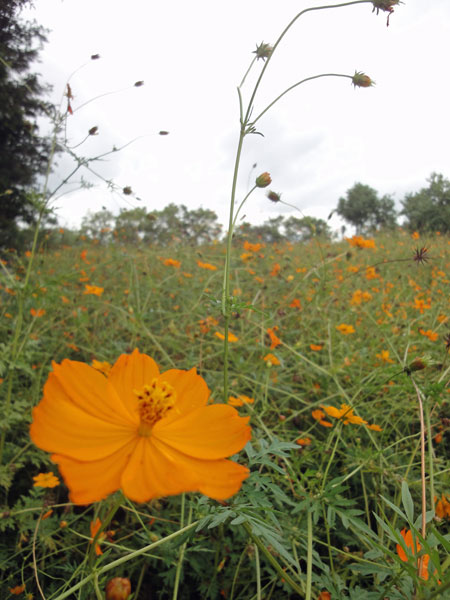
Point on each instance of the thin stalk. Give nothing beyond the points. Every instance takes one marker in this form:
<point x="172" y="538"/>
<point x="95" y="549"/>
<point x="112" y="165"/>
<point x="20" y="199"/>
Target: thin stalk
<point x="182" y="549"/>
<point x="294" y="86"/>
<point x="309" y="555"/>
<point x="258" y="573"/>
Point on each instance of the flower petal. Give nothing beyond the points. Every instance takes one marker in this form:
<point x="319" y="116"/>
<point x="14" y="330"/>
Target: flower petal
<point x="61" y="426"/>
<point x="92" y="481"/>
<point x="192" y="391"/>
<point x="85" y="387"/>
<point x="211" y="432"/>
<point x="131" y="372"/>
<point x="155" y="470"/>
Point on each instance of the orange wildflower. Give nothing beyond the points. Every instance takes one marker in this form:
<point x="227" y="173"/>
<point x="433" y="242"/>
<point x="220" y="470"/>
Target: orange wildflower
<point x="45" y="480"/>
<point x="94" y="527"/>
<point x="421" y="304"/>
<point x="207" y="266"/>
<point x="345" y="329"/>
<point x="231" y="336"/>
<point x="240" y="400"/>
<point x="17" y="590"/>
<point x="319" y="415"/>
<point x="65" y="300"/>
<point x="415" y="235"/>
<point x="148" y="433"/>
<point x="303" y="441"/>
<point x="252" y="247"/>
<point x="171" y="262"/>
<point x="384" y="356"/>
<point x="316" y="347"/>
<point x="275" y="270"/>
<point x="274" y="339"/>
<point x="442" y="508"/>
<point x="83" y="255"/>
<point x="371" y="273"/>
<point x="414" y="548"/>
<point x="295" y="303"/>
<point x="431" y="335"/>
<point x="271" y="359"/>
<point x="40" y="312"/>
<point x="324" y="595"/>
<point x="357" y="241"/>
<point x="93" y="289"/>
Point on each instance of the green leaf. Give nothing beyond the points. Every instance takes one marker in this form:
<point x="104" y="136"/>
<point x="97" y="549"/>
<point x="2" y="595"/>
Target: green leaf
<point x="407" y="502"/>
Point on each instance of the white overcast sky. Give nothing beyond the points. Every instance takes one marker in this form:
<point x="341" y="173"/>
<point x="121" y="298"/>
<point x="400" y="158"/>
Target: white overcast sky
<point x="318" y="140"/>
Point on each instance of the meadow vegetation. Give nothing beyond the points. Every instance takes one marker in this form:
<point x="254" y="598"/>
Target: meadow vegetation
<point x="320" y="366"/>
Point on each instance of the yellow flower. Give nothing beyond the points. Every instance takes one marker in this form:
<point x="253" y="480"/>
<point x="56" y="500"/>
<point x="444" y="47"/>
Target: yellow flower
<point x="45" y="480"/>
<point x="384" y="356"/>
<point x="148" y="433"/>
<point x="345" y="413"/>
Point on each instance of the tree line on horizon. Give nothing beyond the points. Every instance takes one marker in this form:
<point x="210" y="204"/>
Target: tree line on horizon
<point x="25" y="155"/>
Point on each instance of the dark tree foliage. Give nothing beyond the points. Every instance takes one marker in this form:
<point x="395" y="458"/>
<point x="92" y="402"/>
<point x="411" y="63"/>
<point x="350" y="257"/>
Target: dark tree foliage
<point x="363" y="209"/>
<point x="23" y="152"/>
<point x="429" y="208"/>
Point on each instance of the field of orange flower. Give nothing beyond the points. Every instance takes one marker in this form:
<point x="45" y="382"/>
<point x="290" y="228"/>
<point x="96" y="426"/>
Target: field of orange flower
<point x="307" y="475"/>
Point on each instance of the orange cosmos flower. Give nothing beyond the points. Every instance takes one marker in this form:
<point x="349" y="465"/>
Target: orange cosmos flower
<point x="414" y="547"/>
<point x="318" y="415"/>
<point x="295" y="303"/>
<point x="207" y="266"/>
<point x="148" y="433"/>
<point x="94" y="527"/>
<point x="303" y="441"/>
<point x="275" y="270"/>
<point x="17" y="590"/>
<point x="231" y="336"/>
<point x="384" y="356"/>
<point x="442" y="508"/>
<point x="345" y="329"/>
<point x="271" y="359"/>
<point x="316" y="347"/>
<point x="171" y="262"/>
<point x="40" y="312"/>
<point x="357" y="241"/>
<point x="252" y="247"/>
<point x="431" y="335"/>
<point x="45" y="480"/>
<point x="324" y="595"/>
<point x="274" y="339"/>
<point x="240" y="400"/>
<point x="93" y="289"/>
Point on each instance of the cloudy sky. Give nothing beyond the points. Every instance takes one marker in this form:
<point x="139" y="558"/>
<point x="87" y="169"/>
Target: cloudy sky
<point x="318" y="140"/>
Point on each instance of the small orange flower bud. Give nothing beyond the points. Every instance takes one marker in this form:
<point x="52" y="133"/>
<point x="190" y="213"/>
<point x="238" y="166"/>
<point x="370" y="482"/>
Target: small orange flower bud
<point x="118" y="588"/>
<point x="263" y="180"/>
<point x="360" y="79"/>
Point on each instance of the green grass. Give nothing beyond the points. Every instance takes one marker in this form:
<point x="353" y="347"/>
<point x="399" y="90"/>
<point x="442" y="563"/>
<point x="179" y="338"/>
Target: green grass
<point x="318" y="510"/>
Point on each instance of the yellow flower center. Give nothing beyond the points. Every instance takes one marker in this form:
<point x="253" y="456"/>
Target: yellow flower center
<point x="155" y="400"/>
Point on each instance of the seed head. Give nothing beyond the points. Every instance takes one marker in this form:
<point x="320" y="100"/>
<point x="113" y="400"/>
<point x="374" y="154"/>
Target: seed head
<point x="263" y="51"/>
<point x="127" y="190"/>
<point x="118" y="588"/>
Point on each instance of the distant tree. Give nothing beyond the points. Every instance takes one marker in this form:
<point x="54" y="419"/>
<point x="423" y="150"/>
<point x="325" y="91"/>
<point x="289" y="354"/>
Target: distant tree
<point x="363" y="209"/>
<point x="23" y="152"/>
<point x="268" y="232"/>
<point x="199" y="226"/>
<point x="429" y="209"/>
<point x="301" y="230"/>
<point x="98" y="225"/>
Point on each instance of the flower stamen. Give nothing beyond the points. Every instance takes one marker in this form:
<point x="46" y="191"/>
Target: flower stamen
<point x="155" y="400"/>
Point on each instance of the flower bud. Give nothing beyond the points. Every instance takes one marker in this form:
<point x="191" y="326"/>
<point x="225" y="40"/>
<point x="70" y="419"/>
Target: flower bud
<point x="93" y="130"/>
<point x="360" y="79"/>
<point x="127" y="190"/>
<point x="118" y="588"/>
<point x="273" y="196"/>
<point x="263" y="180"/>
<point x="95" y="56"/>
<point x="139" y="84"/>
